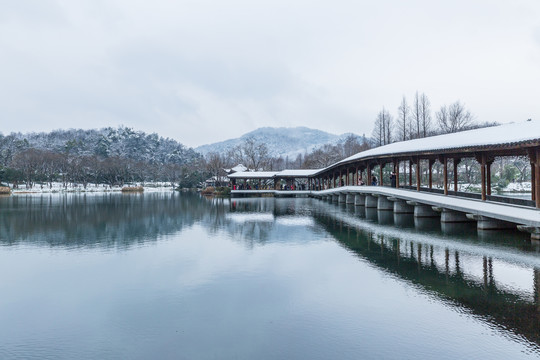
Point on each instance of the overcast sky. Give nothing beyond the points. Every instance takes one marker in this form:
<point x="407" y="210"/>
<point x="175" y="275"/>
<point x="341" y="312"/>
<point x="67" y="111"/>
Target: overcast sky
<point x="201" y="71"/>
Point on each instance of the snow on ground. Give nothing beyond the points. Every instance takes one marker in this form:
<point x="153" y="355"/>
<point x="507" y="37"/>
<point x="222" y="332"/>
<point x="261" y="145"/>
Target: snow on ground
<point x="58" y="187"/>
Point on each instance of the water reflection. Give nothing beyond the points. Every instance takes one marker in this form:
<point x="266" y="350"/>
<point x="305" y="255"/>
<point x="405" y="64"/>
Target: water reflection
<point x="465" y="228"/>
<point x="493" y="276"/>
<point x="371" y="214"/>
<point x="385" y="217"/>
<point x="404" y="220"/>
<point x="427" y="224"/>
<point x="105" y="220"/>
<point x="483" y="285"/>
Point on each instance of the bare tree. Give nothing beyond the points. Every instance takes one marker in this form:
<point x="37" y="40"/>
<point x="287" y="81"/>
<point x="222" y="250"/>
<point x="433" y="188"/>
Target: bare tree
<point x="252" y="154"/>
<point x="215" y="165"/>
<point x="425" y="115"/>
<point x="454" y="118"/>
<point x="403" y="120"/>
<point x="417" y="116"/>
<point x="352" y="145"/>
<point x="382" y="131"/>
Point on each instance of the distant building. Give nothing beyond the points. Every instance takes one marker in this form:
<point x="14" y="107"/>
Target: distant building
<point x="217" y="181"/>
<point x="237" y="168"/>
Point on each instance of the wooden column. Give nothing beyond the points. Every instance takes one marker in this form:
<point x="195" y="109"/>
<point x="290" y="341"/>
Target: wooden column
<point x="396" y="170"/>
<point x="418" y="174"/>
<point x="410" y="173"/>
<point x="537" y="178"/>
<point x="445" y="172"/>
<point x="368" y="174"/>
<point x="533" y="183"/>
<point x="430" y="165"/>
<point x="456" y="163"/>
<point x="488" y="176"/>
<point x="483" y="175"/>
<point x="381" y="167"/>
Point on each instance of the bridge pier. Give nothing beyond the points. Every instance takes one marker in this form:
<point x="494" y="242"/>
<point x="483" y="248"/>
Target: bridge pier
<point x="350" y="198"/>
<point x="401" y="206"/>
<point x="452" y="216"/>
<point x="423" y="211"/>
<point x="371" y="201"/>
<point x="383" y="204"/>
<point x="335" y="198"/>
<point x="342" y="198"/>
<point x="486" y="223"/>
<point x="360" y="200"/>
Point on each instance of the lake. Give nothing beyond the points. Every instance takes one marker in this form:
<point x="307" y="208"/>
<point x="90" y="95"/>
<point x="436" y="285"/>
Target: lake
<point x="178" y="276"/>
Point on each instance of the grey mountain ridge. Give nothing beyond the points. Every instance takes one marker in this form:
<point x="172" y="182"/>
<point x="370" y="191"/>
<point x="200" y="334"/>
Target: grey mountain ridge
<point x="282" y="141"/>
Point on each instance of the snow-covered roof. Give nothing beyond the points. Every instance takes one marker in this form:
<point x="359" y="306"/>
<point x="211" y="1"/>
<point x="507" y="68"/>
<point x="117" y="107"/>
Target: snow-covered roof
<point x="507" y="134"/>
<point x="253" y="174"/>
<point x="271" y="174"/>
<point x="513" y="134"/>
<point x="237" y="168"/>
<point x="298" y="173"/>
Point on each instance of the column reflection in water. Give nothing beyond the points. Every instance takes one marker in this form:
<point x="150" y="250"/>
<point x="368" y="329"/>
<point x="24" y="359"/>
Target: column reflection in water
<point x="385" y="217"/>
<point x="480" y="284"/>
<point x="404" y="220"/>
<point x="465" y="228"/>
<point x="360" y="211"/>
<point x="371" y="214"/>
<point x="427" y="224"/>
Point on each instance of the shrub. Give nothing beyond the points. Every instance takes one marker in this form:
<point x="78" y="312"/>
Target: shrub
<point x="208" y="191"/>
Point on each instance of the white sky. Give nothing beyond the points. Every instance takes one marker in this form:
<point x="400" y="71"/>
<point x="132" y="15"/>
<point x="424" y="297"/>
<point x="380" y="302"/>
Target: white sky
<point x="201" y="71"/>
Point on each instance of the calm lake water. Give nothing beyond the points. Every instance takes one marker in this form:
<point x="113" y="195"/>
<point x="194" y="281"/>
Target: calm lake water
<point x="178" y="276"/>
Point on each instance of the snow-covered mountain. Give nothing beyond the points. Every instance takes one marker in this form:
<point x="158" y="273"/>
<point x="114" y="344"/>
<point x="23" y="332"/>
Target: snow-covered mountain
<point x="280" y="141"/>
<point x="122" y="142"/>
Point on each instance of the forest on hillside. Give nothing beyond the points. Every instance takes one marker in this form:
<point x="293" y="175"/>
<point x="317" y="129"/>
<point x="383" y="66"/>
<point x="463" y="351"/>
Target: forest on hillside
<point x="111" y="156"/>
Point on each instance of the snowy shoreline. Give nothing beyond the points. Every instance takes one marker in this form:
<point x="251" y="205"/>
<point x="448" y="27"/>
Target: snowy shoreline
<point x="512" y="188"/>
<point x="59" y="188"/>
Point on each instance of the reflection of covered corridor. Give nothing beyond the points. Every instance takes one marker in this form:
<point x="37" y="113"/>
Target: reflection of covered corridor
<point x="468" y="281"/>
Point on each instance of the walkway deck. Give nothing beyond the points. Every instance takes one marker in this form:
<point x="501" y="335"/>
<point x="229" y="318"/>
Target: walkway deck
<point x="506" y="212"/>
<point x="276" y="193"/>
<point x="526" y="218"/>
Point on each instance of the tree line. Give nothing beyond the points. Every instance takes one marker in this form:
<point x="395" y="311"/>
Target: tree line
<point x="415" y="119"/>
<point x="112" y="156"/>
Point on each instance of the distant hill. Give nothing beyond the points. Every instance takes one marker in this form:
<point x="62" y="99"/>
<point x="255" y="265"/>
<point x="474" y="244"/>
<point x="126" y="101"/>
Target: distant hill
<point x="280" y="141"/>
<point x="120" y="142"/>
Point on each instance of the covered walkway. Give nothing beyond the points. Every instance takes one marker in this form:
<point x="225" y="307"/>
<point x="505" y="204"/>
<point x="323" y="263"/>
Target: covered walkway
<point x="482" y="145"/>
<point x="344" y="181"/>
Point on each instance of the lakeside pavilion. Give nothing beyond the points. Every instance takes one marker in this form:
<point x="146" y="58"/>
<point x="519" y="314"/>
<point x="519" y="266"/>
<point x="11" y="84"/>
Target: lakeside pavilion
<point x="419" y="155"/>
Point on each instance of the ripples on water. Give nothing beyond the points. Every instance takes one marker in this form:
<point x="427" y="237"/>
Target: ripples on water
<point x="170" y="275"/>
